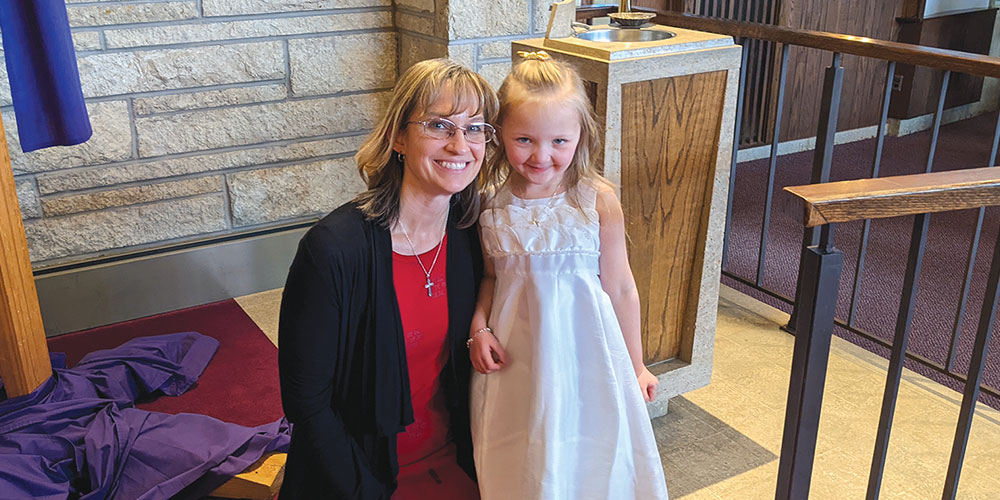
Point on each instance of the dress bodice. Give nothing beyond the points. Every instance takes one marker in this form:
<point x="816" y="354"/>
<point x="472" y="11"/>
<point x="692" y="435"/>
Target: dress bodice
<point x="513" y="226"/>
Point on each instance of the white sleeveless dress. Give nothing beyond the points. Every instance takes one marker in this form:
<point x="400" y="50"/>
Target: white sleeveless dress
<point x="565" y="420"/>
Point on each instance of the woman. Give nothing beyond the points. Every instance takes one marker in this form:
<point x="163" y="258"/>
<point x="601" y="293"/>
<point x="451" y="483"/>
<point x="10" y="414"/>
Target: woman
<point x="378" y="302"/>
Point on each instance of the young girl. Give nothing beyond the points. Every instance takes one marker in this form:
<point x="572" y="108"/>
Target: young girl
<point x="557" y="403"/>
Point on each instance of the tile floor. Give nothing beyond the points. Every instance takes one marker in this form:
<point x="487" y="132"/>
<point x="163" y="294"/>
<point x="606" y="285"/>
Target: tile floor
<point x="722" y="441"/>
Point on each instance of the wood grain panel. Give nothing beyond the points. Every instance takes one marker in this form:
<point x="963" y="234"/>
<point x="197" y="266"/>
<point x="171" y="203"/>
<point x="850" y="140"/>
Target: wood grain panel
<point x="864" y="77"/>
<point x="24" y="356"/>
<point x="669" y="145"/>
<point x="895" y="196"/>
<point x="921" y="86"/>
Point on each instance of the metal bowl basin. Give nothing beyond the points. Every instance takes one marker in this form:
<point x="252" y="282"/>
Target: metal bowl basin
<point x="625" y="35"/>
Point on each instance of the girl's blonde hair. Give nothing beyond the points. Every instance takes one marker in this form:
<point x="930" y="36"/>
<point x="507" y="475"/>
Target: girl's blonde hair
<point x="536" y="78"/>
<point x="418" y="88"/>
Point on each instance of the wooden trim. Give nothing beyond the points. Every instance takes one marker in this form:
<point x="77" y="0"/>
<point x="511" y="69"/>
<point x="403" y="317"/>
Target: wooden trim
<point x="24" y="355"/>
<point x="957" y="61"/>
<point x="895" y="196"/>
<point x="260" y="481"/>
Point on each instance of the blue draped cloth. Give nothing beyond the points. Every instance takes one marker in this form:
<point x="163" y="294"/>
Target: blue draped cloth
<point x="44" y="80"/>
<point x="78" y="436"/>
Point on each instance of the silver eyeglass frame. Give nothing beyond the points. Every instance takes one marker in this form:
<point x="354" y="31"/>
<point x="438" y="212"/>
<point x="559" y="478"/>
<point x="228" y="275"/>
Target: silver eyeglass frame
<point x="491" y="134"/>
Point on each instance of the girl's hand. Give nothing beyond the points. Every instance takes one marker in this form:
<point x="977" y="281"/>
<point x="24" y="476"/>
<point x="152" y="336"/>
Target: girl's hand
<point x="486" y="353"/>
<point x="648" y="383"/>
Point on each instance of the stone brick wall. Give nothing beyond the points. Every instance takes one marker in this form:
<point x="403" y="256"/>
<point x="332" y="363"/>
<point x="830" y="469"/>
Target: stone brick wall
<point x="476" y="33"/>
<point x="214" y="117"/>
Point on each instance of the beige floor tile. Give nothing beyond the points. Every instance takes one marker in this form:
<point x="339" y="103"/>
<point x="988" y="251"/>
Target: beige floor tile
<point x="743" y="413"/>
<point x="747" y="386"/>
<point x="263" y="309"/>
<point x="835" y="477"/>
<point x="702" y="494"/>
<point x="758" y="483"/>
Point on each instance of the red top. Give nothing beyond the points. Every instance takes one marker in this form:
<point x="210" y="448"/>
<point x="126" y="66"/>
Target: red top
<point x="425" y="325"/>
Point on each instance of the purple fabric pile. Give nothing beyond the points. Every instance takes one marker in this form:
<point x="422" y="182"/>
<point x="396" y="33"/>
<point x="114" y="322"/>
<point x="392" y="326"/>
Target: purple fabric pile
<point x="78" y="436"/>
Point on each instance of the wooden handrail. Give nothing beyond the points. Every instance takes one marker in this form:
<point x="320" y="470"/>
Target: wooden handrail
<point x="895" y="196"/>
<point x="953" y="60"/>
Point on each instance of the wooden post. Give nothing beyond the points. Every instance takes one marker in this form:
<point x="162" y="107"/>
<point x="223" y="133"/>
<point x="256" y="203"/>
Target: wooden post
<point x="24" y="355"/>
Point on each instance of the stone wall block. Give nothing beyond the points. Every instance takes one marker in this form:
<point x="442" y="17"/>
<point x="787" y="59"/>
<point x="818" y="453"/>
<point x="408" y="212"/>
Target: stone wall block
<point x="233" y="30"/>
<point x="61" y="237"/>
<point x="421" y="5"/>
<point x="495" y="72"/>
<point x="483" y="18"/>
<point x="112" y="141"/>
<point x="103" y="74"/>
<point x="209" y="99"/>
<point x="464" y="54"/>
<point x="101" y="15"/>
<point x="86" y="40"/>
<point x="5" y="97"/>
<point x="130" y="196"/>
<point x="120" y="174"/>
<point x="417" y="24"/>
<point x="413" y="50"/>
<point x="28" y="199"/>
<point x="273" y="194"/>
<point x="238" y="7"/>
<point x="201" y="130"/>
<point x="333" y="64"/>
<point x="541" y="14"/>
<point x="495" y="50"/>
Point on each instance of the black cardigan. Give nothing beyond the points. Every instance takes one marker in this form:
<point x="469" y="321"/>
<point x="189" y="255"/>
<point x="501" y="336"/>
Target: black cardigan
<point x="342" y="357"/>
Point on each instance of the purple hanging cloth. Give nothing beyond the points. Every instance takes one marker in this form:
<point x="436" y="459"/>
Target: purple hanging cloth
<point x="44" y="80"/>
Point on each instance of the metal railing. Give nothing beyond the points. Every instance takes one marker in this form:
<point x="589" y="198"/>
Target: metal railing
<point x="819" y="272"/>
<point x="839" y="44"/>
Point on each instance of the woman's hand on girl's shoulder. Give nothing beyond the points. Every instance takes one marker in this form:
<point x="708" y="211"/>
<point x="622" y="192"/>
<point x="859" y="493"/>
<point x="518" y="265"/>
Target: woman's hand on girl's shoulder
<point x="486" y="353"/>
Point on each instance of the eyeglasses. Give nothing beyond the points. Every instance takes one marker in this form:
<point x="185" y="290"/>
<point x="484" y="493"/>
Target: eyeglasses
<point x="442" y="128"/>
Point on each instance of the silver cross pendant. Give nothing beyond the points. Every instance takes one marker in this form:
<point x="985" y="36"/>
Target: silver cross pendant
<point x="428" y="286"/>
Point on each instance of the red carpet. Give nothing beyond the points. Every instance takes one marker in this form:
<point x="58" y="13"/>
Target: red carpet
<point x="240" y="385"/>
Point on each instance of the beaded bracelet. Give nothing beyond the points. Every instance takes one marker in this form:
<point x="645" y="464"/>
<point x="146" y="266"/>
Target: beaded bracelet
<point x="468" y="343"/>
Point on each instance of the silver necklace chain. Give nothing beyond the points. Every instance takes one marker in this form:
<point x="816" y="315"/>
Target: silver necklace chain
<point x="548" y="205"/>
<point x="427" y="272"/>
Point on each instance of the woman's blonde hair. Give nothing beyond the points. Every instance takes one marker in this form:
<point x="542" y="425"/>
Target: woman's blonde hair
<point x="536" y="78"/>
<point x="417" y="89"/>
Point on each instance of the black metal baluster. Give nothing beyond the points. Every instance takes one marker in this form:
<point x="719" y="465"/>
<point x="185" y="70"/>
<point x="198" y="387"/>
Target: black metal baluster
<point x="863" y="249"/>
<point x="772" y="165"/>
<point x="823" y="155"/>
<point x="975" y="376"/>
<point x="996" y="140"/>
<point x="918" y="242"/>
<point x="956" y="331"/>
<point x="937" y="119"/>
<point x="736" y="151"/>
<point x="819" y="273"/>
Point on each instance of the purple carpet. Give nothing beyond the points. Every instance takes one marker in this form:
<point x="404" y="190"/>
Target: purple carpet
<point x="964" y="144"/>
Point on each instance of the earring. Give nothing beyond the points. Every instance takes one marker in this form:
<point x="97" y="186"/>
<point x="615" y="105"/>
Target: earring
<point x="400" y="157"/>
